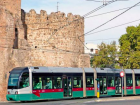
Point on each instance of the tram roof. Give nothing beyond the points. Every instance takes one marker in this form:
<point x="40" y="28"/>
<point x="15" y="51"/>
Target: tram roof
<point x="73" y="70"/>
<point x="19" y="69"/>
<point x="89" y="70"/>
<point x="128" y="71"/>
<point x="57" y="69"/>
<point x="107" y="70"/>
<point x="137" y="71"/>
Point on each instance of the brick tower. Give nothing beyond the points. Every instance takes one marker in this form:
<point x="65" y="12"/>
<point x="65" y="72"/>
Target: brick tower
<point x="14" y="6"/>
<point x="23" y="40"/>
<point x="10" y="17"/>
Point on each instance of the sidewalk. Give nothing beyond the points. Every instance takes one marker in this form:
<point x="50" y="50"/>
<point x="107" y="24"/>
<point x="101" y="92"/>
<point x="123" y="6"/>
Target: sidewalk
<point x="117" y="98"/>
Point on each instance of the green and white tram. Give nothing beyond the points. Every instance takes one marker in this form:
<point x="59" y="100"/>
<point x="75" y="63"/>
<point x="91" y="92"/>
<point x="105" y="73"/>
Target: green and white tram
<point x="43" y="83"/>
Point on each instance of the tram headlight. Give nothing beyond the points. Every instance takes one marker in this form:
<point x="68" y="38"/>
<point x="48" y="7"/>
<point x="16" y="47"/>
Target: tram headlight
<point x="16" y="92"/>
<point x="8" y="92"/>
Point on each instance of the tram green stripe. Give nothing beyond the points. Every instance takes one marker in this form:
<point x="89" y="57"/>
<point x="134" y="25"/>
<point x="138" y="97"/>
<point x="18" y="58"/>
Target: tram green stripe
<point x="137" y="91"/>
<point x="77" y="93"/>
<point x="13" y="97"/>
<point x="30" y="97"/>
<point x="19" y="97"/>
<point x="54" y="95"/>
<point x="129" y="91"/>
<point x="111" y="92"/>
<point x="90" y="93"/>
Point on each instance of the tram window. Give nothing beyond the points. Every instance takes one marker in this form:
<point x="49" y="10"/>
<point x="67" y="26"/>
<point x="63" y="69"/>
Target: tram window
<point x="89" y="82"/>
<point x="137" y="81"/>
<point x="77" y="82"/>
<point x="110" y="81"/>
<point x="24" y="82"/>
<point x="57" y="84"/>
<point x="47" y="83"/>
<point x="37" y="82"/>
<point x="129" y="81"/>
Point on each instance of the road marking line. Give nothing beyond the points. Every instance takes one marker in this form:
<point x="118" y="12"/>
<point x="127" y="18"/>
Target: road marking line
<point x="89" y="101"/>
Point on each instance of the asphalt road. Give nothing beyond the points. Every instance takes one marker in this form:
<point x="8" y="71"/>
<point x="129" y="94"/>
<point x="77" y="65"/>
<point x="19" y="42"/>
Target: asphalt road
<point x="77" y="102"/>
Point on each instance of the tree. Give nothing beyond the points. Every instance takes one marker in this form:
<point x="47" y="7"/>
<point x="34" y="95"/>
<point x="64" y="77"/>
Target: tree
<point x="130" y="48"/>
<point x="106" y="56"/>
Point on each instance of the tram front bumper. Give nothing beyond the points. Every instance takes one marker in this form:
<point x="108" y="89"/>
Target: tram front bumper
<point x="12" y="97"/>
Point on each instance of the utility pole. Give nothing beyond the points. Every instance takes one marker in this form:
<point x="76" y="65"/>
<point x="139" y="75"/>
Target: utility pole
<point x="57" y="6"/>
<point x="104" y="2"/>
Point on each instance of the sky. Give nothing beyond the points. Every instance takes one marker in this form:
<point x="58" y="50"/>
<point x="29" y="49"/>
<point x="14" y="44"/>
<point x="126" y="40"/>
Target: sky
<point x="81" y="7"/>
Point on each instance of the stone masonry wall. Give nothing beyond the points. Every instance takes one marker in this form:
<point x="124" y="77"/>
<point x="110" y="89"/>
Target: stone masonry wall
<point x="14" y="6"/>
<point x="24" y="40"/>
<point x="42" y="26"/>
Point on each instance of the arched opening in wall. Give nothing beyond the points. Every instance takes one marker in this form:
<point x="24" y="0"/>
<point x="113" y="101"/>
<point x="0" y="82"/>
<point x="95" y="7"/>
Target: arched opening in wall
<point x="16" y="39"/>
<point x="25" y="32"/>
<point x="24" y="25"/>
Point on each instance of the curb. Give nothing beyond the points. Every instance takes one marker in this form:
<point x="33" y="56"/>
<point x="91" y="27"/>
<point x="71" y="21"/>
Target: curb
<point x="105" y="100"/>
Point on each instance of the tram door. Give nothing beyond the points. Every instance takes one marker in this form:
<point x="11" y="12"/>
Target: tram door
<point x="103" y="85"/>
<point x="118" y="85"/>
<point x="67" y="85"/>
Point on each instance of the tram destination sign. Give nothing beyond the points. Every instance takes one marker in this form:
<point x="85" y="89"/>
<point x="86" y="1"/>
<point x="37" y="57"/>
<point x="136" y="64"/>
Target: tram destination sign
<point x="121" y="74"/>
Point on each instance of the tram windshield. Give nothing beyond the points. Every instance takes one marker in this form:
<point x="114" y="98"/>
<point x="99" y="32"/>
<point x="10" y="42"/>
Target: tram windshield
<point x="13" y="81"/>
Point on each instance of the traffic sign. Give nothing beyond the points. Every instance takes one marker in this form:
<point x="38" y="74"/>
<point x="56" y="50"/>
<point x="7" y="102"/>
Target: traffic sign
<point x="98" y="86"/>
<point x="122" y="74"/>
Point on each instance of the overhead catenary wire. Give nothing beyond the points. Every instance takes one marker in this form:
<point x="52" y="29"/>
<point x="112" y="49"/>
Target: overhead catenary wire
<point x="38" y="49"/>
<point x="108" y="12"/>
<point x="113" y="27"/>
<point x="110" y="20"/>
<point x="107" y="22"/>
<point x="102" y="39"/>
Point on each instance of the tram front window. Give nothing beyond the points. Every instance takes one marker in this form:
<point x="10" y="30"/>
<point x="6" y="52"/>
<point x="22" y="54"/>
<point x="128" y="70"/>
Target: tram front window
<point x="24" y="82"/>
<point x="13" y="81"/>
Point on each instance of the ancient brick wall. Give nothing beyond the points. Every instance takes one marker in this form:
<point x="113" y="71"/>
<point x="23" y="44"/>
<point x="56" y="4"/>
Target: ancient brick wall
<point x="41" y="27"/>
<point x="63" y="34"/>
<point x="14" y="6"/>
<point x="5" y="43"/>
<point x="24" y="40"/>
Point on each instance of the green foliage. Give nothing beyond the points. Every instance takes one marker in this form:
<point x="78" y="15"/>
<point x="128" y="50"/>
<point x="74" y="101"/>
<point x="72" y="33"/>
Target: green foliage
<point x="91" y="62"/>
<point x="130" y="48"/>
<point x="106" y="56"/>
